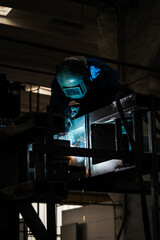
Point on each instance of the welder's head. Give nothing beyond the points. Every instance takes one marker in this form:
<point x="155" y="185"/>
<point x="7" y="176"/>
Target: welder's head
<point x="72" y="78"/>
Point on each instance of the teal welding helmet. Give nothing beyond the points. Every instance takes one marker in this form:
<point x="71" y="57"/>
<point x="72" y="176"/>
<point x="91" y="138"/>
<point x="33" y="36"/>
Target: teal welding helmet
<point x="72" y="78"/>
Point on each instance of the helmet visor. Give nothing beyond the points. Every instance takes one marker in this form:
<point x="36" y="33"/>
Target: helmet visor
<point x="72" y="80"/>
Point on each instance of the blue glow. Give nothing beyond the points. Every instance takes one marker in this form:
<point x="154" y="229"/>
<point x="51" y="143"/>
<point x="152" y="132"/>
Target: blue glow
<point x="124" y="132"/>
<point x="76" y="136"/>
<point x="74" y="111"/>
<point x="30" y="146"/>
<point x="94" y="72"/>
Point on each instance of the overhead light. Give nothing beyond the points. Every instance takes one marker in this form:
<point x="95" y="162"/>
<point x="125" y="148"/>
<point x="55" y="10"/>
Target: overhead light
<point x="38" y="89"/>
<point x="4" y="10"/>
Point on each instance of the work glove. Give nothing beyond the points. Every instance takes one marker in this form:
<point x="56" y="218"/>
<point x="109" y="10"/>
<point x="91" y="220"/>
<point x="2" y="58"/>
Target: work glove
<point x="68" y="124"/>
<point x="69" y="117"/>
<point x="74" y="111"/>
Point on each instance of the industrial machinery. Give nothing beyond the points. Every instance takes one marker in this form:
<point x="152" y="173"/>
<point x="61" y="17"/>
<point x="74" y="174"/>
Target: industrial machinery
<point x="108" y="150"/>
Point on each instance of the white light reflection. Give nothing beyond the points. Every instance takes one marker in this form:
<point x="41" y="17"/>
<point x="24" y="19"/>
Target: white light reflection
<point x="105" y="167"/>
<point x="4" y="10"/>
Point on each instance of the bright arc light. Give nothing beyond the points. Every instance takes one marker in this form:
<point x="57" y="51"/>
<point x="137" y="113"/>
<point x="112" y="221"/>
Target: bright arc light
<point x="4" y="10"/>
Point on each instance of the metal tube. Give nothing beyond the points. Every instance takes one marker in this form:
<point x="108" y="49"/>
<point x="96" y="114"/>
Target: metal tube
<point x="51" y="222"/>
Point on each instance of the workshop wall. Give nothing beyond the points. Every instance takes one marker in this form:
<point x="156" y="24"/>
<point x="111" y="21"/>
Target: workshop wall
<point x="130" y="32"/>
<point x="93" y="222"/>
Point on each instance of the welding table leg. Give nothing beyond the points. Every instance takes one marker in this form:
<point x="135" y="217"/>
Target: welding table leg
<point x="39" y="162"/>
<point x="51" y="193"/>
<point x="154" y="174"/>
<point x="118" y="135"/>
<point x="51" y="196"/>
<point x="51" y="200"/>
<point x="51" y="221"/>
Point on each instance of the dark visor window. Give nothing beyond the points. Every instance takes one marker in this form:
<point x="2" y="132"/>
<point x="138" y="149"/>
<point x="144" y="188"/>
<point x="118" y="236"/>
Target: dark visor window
<point x="72" y="91"/>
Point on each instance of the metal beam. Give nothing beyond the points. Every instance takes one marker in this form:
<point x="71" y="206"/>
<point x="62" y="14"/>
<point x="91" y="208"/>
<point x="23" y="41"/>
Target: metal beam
<point x="33" y="221"/>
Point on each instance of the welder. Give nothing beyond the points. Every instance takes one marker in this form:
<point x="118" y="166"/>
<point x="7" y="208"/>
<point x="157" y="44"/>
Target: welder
<point x="81" y="85"/>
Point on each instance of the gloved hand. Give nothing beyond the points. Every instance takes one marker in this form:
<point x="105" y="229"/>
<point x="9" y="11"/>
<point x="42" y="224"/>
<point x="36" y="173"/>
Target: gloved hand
<point x="68" y="124"/>
<point x="70" y="116"/>
<point x="74" y="111"/>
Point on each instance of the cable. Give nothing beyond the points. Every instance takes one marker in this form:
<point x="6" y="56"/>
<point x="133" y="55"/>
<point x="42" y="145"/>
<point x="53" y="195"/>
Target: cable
<point x="137" y="157"/>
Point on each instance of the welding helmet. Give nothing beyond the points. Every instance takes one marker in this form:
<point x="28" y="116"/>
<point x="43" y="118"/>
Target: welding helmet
<point x="72" y="78"/>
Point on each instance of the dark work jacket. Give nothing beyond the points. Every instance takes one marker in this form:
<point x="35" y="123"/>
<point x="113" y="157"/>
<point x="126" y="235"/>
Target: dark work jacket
<point x="101" y="92"/>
